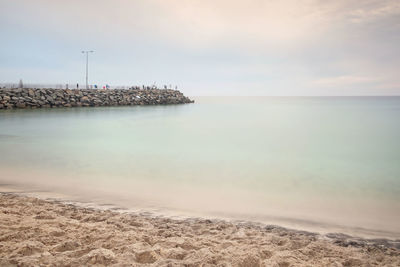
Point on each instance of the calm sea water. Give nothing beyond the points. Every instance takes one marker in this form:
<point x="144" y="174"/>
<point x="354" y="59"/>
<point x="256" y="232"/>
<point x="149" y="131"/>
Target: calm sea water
<point x="324" y="163"/>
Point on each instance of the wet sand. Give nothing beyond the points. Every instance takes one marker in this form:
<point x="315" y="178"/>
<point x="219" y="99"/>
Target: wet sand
<point x="41" y="232"/>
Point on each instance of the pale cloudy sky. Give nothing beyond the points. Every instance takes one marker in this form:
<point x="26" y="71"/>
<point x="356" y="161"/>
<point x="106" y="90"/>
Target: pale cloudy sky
<point x="207" y="47"/>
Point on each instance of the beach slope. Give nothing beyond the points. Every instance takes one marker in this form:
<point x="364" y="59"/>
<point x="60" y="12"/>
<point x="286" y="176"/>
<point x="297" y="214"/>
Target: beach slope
<point x="37" y="232"/>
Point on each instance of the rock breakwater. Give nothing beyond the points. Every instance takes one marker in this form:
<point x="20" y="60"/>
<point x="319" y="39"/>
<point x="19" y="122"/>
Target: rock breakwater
<point x="50" y="98"/>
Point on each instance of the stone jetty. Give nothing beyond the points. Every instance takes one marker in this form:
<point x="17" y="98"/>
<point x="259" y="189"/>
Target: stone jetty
<point x="51" y="98"/>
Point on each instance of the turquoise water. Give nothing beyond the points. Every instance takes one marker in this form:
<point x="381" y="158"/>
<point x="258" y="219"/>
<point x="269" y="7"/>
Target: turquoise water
<point x="326" y="163"/>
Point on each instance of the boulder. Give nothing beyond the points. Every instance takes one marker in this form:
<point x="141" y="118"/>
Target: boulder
<point x="20" y="105"/>
<point x="31" y="93"/>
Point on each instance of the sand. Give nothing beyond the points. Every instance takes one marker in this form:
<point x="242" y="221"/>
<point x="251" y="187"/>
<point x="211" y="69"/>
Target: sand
<point x="37" y="232"/>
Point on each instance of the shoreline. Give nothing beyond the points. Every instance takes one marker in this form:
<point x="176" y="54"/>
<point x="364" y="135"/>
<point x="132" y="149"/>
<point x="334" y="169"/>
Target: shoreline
<point x="36" y="231"/>
<point x="94" y="201"/>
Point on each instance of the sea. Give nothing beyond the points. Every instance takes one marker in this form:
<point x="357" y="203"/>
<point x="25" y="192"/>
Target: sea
<point x="322" y="164"/>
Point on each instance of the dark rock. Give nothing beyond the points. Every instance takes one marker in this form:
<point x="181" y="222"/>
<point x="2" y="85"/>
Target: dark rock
<point x="20" y="105"/>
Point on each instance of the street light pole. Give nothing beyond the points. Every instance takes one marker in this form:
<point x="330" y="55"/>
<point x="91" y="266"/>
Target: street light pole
<point x="87" y="66"/>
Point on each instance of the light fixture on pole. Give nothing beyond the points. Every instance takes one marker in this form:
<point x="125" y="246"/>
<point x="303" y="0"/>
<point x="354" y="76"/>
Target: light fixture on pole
<point x="87" y="65"/>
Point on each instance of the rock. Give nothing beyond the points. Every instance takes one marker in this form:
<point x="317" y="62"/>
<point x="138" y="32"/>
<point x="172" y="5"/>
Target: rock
<point x="31" y="93"/>
<point x="20" y="105"/>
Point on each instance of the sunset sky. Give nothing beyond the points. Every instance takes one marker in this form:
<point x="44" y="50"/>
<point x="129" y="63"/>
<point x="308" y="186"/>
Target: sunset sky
<point x="207" y="47"/>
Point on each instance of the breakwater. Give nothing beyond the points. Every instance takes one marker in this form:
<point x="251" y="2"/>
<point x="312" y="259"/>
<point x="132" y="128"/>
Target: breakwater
<point x="49" y="98"/>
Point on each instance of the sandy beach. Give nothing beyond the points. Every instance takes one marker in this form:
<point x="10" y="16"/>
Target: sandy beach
<point x="37" y="232"/>
<point x="200" y="133"/>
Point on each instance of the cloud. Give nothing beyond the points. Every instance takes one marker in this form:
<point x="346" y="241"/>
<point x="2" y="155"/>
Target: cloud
<point x="290" y="46"/>
<point x="373" y="10"/>
<point x="344" y="81"/>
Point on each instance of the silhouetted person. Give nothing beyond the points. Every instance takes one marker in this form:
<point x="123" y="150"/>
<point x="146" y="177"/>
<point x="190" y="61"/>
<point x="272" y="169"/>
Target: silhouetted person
<point x="77" y="86"/>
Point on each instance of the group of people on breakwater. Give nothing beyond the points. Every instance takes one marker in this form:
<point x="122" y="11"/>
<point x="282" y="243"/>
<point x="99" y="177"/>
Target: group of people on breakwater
<point x="135" y="87"/>
<point x="80" y="86"/>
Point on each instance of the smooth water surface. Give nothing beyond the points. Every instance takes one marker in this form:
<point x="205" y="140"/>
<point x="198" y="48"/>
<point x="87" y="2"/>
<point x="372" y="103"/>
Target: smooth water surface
<point x="307" y="162"/>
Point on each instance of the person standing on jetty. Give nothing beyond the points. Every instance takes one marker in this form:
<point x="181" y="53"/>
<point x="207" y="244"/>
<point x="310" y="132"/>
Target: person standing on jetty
<point x="77" y="86"/>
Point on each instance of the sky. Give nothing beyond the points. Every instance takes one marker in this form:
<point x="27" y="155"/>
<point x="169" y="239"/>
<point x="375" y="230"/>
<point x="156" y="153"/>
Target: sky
<point x="207" y="47"/>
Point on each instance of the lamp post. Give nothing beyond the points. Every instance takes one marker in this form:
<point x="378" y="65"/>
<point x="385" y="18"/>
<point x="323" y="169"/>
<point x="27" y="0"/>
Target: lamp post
<point x="87" y="65"/>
